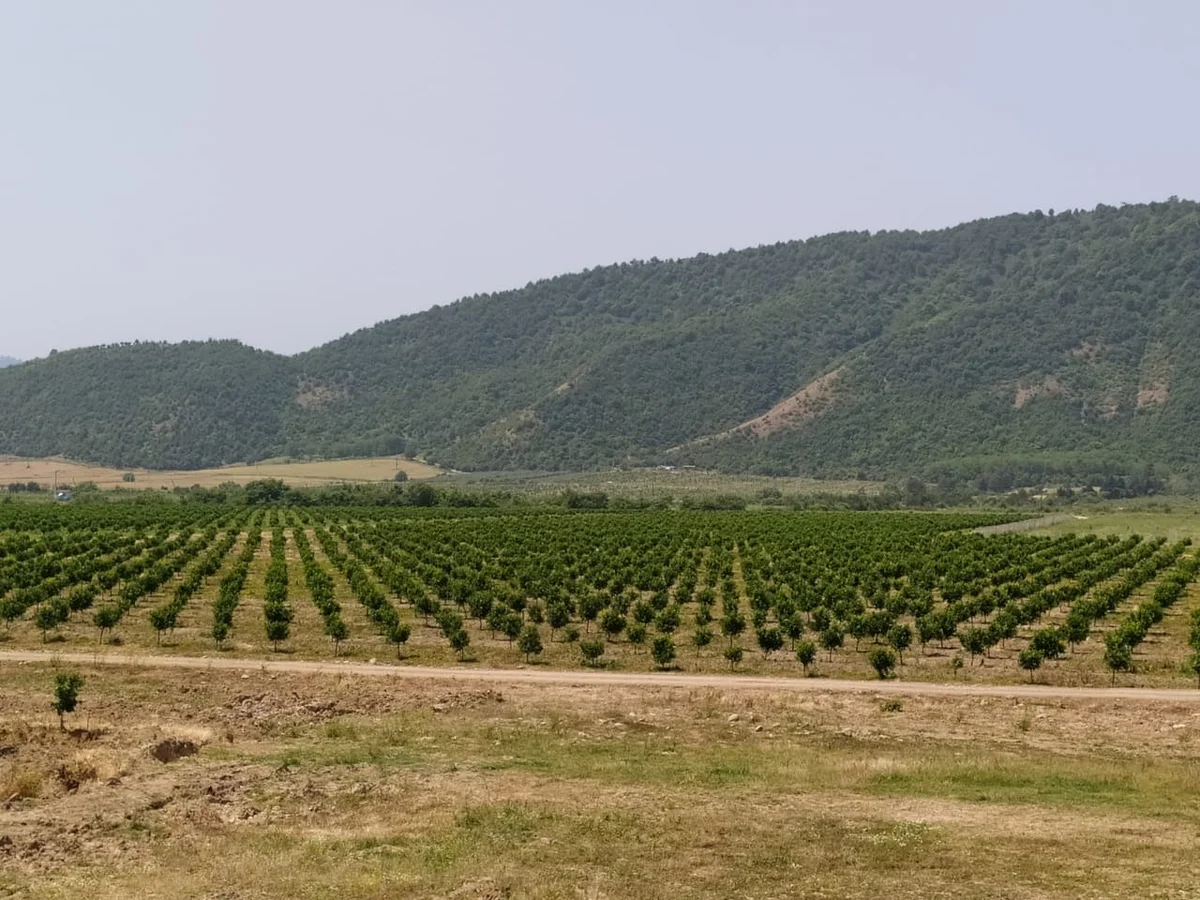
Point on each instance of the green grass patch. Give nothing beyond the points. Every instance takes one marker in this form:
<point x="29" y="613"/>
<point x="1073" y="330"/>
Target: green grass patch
<point x="1166" y="788"/>
<point x="424" y="743"/>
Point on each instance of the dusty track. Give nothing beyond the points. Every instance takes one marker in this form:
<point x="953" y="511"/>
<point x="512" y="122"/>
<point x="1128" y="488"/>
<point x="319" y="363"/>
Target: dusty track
<point x="615" y="679"/>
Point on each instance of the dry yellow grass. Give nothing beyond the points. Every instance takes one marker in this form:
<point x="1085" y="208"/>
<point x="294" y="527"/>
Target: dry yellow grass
<point x="332" y="786"/>
<point x="66" y="472"/>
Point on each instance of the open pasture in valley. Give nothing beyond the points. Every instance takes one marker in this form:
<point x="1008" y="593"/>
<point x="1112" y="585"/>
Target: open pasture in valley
<point x="66" y="473"/>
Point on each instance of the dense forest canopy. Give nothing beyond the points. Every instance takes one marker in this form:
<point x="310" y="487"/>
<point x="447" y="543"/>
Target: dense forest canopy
<point x="1007" y="348"/>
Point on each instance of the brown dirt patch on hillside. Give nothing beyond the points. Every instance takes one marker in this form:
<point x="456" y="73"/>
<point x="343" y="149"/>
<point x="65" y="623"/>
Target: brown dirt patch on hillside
<point x="806" y="404"/>
<point x="1153" y="394"/>
<point x="1049" y="386"/>
<point x="1088" y="349"/>
<point x="313" y="395"/>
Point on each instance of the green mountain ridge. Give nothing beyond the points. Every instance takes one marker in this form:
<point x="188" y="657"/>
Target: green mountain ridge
<point x="6" y="361"/>
<point x="1024" y="342"/>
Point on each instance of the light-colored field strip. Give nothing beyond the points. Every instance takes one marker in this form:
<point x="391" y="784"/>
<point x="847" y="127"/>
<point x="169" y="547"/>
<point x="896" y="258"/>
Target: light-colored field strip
<point x="614" y="679"/>
<point x="65" y="473"/>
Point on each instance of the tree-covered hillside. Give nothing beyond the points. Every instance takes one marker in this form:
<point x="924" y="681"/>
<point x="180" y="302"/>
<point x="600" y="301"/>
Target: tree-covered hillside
<point x="1056" y="341"/>
<point x="157" y="405"/>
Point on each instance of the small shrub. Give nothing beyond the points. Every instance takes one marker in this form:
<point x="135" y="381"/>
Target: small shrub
<point x="76" y="772"/>
<point x="591" y="650"/>
<point x="1192" y="666"/>
<point x="1118" y="655"/>
<point x="883" y="661"/>
<point x="806" y="654"/>
<point x="733" y="656"/>
<point x="459" y="642"/>
<point x="663" y="650"/>
<point x="399" y="634"/>
<point x="636" y="633"/>
<point x="1030" y="660"/>
<point x="530" y="642"/>
<point x="66" y="694"/>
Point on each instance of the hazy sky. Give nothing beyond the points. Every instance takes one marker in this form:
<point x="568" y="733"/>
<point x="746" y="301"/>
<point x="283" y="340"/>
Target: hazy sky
<point x="284" y="172"/>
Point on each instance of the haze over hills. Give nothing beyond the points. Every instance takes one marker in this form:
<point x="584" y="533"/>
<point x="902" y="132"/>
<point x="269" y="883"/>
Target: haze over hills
<point x="6" y="361"/>
<point x="1020" y="343"/>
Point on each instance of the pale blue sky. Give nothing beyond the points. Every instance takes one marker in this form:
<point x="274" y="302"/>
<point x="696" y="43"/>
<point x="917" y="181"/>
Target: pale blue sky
<point x="284" y="171"/>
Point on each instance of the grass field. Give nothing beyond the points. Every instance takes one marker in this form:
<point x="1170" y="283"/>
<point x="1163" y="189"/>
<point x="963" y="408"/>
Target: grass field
<point x="65" y="473"/>
<point x="321" y="786"/>
<point x="1173" y="518"/>
<point x="653" y="483"/>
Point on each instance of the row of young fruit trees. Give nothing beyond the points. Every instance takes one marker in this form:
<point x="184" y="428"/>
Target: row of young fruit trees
<point x="718" y="582"/>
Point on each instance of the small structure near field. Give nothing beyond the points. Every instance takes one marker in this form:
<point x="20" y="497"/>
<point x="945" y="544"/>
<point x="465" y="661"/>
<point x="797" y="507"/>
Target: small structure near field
<point x="63" y="496"/>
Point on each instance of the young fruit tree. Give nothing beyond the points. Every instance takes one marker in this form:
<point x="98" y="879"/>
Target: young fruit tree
<point x="1030" y="660"/>
<point x="591" y="650"/>
<point x="278" y="630"/>
<point x="558" y="615"/>
<point x="636" y="634"/>
<point x="663" y="650"/>
<point x="770" y="640"/>
<point x="883" y="661"/>
<point x="47" y="619"/>
<point x="511" y="625"/>
<point x="530" y="642"/>
<point x="732" y="625"/>
<point x="806" y="654"/>
<point x="1118" y="656"/>
<point x="613" y="623"/>
<point x="399" y="634"/>
<point x="832" y="639"/>
<point x="459" y="641"/>
<point x="338" y="631"/>
<point x="974" y="641"/>
<point x="66" y="694"/>
<point x="1193" y="666"/>
<point x="1049" y="643"/>
<point x="106" y="619"/>
<point x="900" y="637"/>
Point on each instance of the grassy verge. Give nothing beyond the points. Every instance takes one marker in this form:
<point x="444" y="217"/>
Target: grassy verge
<point x="327" y="787"/>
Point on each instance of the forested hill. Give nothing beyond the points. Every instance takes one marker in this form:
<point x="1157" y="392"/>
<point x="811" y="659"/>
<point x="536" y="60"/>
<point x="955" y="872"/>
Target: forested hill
<point x="6" y="361"/>
<point x="1060" y="340"/>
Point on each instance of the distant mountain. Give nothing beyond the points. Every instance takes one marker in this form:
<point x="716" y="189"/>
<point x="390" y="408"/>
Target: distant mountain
<point x="1033" y="341"/>
<point x="6" y="361"/>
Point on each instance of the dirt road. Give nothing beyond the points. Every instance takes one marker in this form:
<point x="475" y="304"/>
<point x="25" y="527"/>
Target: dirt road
<point x="616" y="679"/>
